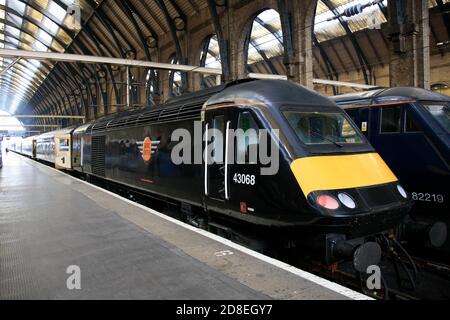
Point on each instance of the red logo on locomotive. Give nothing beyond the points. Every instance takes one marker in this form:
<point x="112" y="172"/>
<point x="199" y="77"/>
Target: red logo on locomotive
<point x="147" y="149"/>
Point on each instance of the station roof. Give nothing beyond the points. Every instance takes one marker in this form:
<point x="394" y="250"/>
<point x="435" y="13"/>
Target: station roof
<point x="115" y="28"/>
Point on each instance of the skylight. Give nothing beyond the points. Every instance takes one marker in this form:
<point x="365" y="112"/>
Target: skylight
<point x="34" y="27"/>
<point x="10" y="123"/>
<point x="55" y="10"/>
<point x="266" y="38"/>
<point x="213" y="55"/>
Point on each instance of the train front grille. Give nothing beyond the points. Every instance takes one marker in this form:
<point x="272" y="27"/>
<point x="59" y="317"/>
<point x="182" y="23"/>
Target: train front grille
<point x="378" y="195"/>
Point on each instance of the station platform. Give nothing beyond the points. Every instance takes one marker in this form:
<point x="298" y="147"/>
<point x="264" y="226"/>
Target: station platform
<point x="50" y="221"/>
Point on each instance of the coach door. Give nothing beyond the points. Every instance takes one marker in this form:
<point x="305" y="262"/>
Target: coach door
<point x="216" y="176"/>
<point x="62" y="152"/>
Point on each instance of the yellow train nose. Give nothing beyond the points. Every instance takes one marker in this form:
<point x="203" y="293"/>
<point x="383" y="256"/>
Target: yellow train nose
<point x="341" y="172"/>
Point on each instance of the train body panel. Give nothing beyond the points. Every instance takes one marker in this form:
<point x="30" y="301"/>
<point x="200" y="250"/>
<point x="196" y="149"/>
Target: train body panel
<point x="53" y="147"/>
<point x="63" y="149"/>
<point x="45" y="147"/>
<point x="78" y="138"/>
<point x="14" y="144"/>
<point x="29" y="147"/>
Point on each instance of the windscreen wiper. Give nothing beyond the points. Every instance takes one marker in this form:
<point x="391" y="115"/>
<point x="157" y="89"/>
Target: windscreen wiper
<point x="325" y="138"/>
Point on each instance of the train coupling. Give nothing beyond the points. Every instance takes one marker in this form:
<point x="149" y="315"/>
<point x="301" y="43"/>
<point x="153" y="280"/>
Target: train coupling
<point x="362" y="254"/>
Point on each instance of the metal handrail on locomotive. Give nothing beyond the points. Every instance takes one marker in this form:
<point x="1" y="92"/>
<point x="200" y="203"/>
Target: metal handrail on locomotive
<point x="332" y="192"/>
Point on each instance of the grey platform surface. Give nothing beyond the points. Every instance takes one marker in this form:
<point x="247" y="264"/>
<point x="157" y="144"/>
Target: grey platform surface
<point x="50" y="221"/>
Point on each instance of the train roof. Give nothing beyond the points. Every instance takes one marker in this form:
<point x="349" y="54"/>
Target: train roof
<point x="53" y="133"/>
<point x="82" y="128"/>
<point x="271" y="92"/>
<point x="189" y="106"/>
<point x="409" y="93"/>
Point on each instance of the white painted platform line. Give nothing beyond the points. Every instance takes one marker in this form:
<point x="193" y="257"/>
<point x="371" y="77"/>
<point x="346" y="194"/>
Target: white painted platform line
<point x="349" y="293"/>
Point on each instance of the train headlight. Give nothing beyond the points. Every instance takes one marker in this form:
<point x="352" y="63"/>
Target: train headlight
<point x="402" y="191"/>
<point x="347" y="200"/>
<point x="327" y="202"/>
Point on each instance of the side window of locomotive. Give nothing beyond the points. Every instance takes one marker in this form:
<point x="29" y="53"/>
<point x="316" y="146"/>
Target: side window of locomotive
<point x="410" y="123"/>
<point x="218" y="141"/>
<point x="390" y="119"/>
<point x="247" y="143"/>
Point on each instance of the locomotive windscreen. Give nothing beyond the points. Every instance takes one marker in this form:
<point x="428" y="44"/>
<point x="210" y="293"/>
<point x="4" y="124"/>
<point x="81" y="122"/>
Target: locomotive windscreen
<point x="441" y="113"/>
<point x="322" y="128"/>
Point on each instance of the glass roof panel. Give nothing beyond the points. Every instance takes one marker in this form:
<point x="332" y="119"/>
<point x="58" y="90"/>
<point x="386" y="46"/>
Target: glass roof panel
<point x="44" y="37"/>
<point x="34" y="14"/>
<point x="266" y="39"/>
<point x="15" y="19"/>
<point x="12" y="41"/>
<point x="56" y="11"/>
<point x="18" y="6"/>
<point x="33" y="25"/>
<point x="15" y="32"/>
<point x="213" y="55"/>
<point x="50" y="26"/>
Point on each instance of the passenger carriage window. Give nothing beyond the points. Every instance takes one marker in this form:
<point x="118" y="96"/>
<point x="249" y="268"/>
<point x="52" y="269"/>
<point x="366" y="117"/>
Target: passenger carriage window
<point x="410" y="124"/>
<point x="390" y="119"/>
<point x="249" y="139"/>
<point x="64" y="144"/>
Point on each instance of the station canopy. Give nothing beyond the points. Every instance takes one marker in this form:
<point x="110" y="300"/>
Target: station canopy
<point x="45" y="25"/>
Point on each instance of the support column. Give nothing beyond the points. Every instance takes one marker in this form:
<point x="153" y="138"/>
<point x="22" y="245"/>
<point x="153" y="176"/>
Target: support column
<point x="409" y="35"/>
<point x="297" y="19"/>
<point x="232" y="36"/>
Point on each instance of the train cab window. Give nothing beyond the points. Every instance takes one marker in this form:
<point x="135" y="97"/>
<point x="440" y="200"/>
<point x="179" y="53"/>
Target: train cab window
<point x="250" y="139"/>
<point x="410" y="123"/>
<point x="314" y="128"/>
<point x="442" y="114"/>
<point x="390" y="119"/>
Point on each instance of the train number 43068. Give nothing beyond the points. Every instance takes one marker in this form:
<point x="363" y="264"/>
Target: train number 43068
<point x="248" y="179"/>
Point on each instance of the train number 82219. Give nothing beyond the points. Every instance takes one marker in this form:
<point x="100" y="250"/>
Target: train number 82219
<point x="427" y="197"/>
